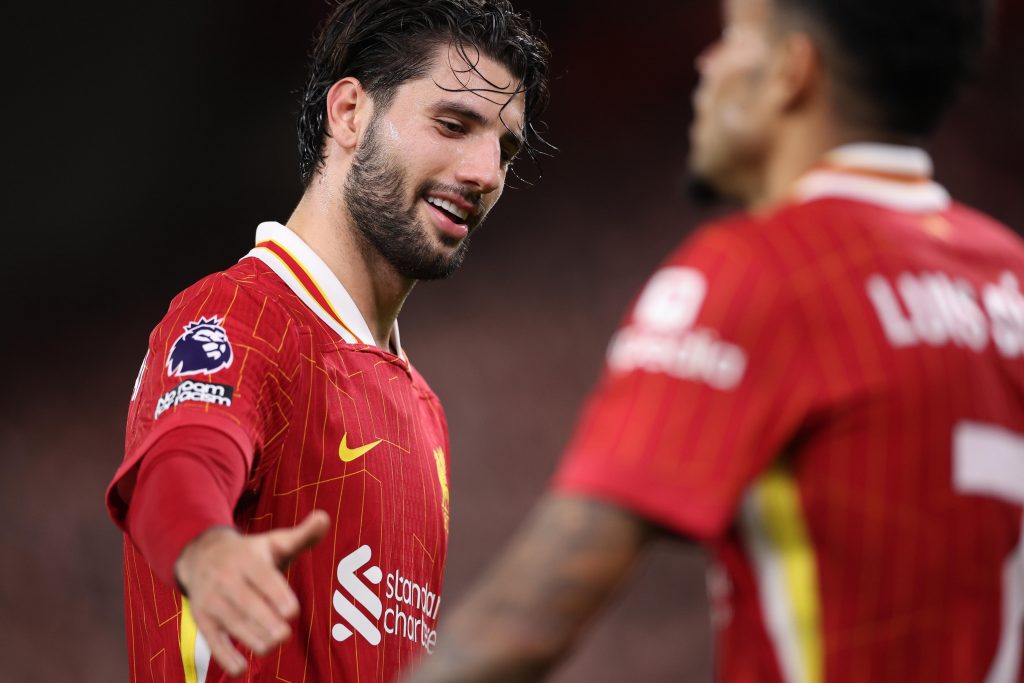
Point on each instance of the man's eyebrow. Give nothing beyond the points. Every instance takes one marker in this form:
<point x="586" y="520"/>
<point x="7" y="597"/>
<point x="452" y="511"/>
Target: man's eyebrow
<point x="459" y="109"/>
<point x="468" y="113"/>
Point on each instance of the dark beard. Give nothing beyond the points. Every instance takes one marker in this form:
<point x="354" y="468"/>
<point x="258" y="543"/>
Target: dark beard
<point x="374" y="193"/>
<point x="702" y="191"/>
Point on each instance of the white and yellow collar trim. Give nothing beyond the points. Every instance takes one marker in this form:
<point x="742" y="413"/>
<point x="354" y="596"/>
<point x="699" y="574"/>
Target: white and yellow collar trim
<point x="312" y="281"/>
<point x="891" y="176"/>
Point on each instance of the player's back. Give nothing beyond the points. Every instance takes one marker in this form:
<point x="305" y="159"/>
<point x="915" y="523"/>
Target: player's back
<point x="885" y="542"/>
<point x="831" y="396"/>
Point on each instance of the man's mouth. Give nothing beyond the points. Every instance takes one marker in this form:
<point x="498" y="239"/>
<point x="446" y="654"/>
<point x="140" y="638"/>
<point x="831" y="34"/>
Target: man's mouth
<point x="456" y="214"/>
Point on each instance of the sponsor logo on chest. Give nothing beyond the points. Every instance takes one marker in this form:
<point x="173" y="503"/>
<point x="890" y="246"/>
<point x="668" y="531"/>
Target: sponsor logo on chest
<point x="408" y="610"/>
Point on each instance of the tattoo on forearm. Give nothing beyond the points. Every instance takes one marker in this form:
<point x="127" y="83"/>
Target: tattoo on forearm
<point x="528" y="609"/>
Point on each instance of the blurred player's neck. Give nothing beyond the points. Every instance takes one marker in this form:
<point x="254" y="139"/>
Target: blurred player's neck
<point x="322" y="222"/>
<point x="800" y="142"/>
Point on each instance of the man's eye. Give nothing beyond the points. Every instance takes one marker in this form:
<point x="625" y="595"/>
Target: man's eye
<point x="451" y="126"/>
<point x="508" y="155"/>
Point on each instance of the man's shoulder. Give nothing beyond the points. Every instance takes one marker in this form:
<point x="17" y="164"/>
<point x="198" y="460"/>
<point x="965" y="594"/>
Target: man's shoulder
<point x="732" y="228"/>
<point x="803" y="237"/>
<point x="249" y="275"/>
<point x="725" y="278"/>
<point x="731" y="244"/>
<point x="988" y="230"/>
<point x="243" y="285"/>
<point x="422" y="386"/>
<point x="840" y="216"/>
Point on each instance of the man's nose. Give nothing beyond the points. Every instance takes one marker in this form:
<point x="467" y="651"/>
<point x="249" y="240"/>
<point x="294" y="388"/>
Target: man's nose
<point x="481" y="166"/>
<point x="703" y="59"/>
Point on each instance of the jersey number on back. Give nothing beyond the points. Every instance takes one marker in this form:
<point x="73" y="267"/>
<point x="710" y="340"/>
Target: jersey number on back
<point x="989" y="461"/>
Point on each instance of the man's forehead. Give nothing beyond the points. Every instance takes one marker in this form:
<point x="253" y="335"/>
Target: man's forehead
<point x="467" y="67"/>
<point x="467" y="75"/>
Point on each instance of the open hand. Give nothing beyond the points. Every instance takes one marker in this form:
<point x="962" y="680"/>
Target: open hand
<point x="236" y="587"/>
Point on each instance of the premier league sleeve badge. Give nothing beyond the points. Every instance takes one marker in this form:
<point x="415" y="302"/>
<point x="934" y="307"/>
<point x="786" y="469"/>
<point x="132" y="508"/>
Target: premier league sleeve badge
<point x="203" y="349"/>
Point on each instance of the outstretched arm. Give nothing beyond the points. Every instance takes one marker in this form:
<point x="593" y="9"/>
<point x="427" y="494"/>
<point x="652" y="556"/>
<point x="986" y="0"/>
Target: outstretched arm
<point x="180" y="517"/>
<point x="527" y="611"/>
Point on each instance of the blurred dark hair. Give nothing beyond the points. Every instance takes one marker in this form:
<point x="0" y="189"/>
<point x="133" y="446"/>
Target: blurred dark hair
<point x="899" y="64"/>
<point x="385" y="43"/>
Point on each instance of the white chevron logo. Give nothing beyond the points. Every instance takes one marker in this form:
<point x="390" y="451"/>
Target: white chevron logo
<point x="361" y="593"/>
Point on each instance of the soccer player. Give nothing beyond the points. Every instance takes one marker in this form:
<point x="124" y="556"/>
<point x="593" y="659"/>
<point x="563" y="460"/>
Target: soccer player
<point x="827" y="391"/>
<point x="276" y="405"/>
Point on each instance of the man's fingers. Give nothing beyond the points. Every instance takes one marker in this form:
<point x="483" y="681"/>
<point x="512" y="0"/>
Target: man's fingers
<point x="221" y="648"/>
<point x="247" y="617"/>
<point x="239" y="593"/>
<point x="271" y="585"/>
<point x="285" y="544"/>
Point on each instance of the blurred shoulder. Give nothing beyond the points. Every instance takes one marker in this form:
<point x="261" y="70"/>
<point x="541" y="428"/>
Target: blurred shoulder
<point x="737" y="244"/>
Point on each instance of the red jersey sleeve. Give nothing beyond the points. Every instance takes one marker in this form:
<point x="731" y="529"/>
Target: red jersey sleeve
<point x="703" y="386"/>
<point x="222" y="358"/>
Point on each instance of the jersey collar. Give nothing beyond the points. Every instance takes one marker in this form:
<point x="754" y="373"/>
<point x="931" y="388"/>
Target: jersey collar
<point x="311" y="279"/>
<point x="892" y="176"/>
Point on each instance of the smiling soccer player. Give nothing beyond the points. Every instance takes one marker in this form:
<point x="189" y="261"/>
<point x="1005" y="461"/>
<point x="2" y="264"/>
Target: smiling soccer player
<point x="276" y="405"/>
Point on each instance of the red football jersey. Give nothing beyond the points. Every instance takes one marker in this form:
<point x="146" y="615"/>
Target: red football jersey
<point x="274" y="353"/>
<point x="831" y="396"/>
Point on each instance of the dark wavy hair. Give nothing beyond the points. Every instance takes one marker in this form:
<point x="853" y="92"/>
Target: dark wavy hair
<point x="899" y="64"/>
<point x="385" y="43"/>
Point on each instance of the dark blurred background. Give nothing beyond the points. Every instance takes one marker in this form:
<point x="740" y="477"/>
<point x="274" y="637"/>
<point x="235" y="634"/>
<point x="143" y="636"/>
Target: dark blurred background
<point x="144" y="143"/>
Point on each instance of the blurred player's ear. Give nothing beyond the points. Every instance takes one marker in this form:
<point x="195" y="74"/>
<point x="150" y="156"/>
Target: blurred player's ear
<point x="799" y="70"/>
<point x="348" y="106"/>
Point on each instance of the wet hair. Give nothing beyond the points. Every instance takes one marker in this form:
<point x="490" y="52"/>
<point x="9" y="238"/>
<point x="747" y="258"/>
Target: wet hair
<point x="385" y="43"/>
<point x="898" y="64"/>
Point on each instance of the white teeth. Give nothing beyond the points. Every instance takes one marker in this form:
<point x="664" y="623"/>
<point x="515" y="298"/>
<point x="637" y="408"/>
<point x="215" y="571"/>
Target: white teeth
<point x="449" y="207"/>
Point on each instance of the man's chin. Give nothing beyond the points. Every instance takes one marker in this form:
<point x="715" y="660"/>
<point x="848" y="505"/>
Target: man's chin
<point x="450" y="243"/>
<point x="703" y="190"/>
<point x="444" y="267"/>
<point x="710" y="182"/>
<point x="436" y="261"/>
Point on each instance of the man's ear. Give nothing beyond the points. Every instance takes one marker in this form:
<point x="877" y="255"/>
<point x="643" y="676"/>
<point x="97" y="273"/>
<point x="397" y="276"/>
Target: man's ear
<point x="800" y="70"/>
<point x="347" y="107"/>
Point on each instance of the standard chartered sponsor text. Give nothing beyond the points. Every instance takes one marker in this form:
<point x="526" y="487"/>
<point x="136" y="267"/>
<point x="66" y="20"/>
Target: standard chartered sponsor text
<point x="412" y="607"/>
<point x="414" y="613"/>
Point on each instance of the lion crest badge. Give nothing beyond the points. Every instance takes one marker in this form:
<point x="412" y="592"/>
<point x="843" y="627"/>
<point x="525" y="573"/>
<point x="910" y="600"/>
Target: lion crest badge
<point x="203" y="349"/>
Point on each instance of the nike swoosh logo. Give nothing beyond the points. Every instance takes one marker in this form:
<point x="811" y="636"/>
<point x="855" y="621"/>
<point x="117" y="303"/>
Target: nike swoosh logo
<point x="349" y="454"/>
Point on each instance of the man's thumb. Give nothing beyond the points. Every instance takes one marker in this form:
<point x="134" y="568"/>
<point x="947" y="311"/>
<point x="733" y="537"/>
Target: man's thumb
<point x="285" y="544"/>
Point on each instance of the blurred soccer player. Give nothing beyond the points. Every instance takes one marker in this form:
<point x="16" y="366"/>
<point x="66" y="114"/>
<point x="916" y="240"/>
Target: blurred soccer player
<point x="827" y="391"/>
<point x="276" y="404"/>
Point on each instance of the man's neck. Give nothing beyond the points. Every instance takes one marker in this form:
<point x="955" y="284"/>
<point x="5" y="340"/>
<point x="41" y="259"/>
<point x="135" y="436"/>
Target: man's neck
<point x="378" y="291"/>
<point x="798" y="147"/>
